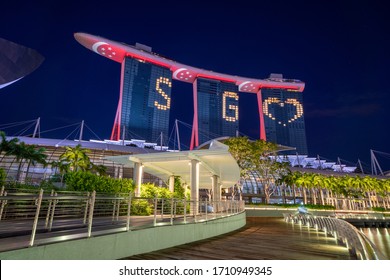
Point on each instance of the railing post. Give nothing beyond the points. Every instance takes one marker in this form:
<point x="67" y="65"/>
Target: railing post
<point x="175" y="208"/>
<point x="49" y="210"/>
<point x="205" y="206"/>
<point x="3" y="203"/>
<point x="155" y="212"/>
<point x="185" y="211"/>
<point x="38" y="203"/>
<point x="128" y="213"/>
<point x="113" y="209"/>
<point x="91" y="209"/>
<point x="118" y="208"/>
<point x="86" y="209"/>
<point x="53" y="208"/>
<point x="227" y="207"/>
<point x="195" y="204"/>
<point x="162" y="208"/>
<point x="172" y="211"/>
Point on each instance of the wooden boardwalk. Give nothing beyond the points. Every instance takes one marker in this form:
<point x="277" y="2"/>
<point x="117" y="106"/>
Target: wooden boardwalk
<point x="260" y="239"/>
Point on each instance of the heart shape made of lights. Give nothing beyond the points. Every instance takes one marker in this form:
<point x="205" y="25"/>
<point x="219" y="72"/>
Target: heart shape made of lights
<point x="292" y="101"/>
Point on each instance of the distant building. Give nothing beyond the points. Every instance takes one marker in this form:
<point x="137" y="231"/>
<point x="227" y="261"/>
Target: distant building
<point x="16" y="61"/>
<point x="145" y="97"/>
<point x="284" y="118"/>
<point x="144" y="102"/>
<point x="217" y="109"/>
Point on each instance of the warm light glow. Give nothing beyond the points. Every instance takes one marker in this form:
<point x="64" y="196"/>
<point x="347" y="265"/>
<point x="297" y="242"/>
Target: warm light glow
<point x="292" y="101"/>
<point x="166" y="81"/>
<point x="229" y="94"/>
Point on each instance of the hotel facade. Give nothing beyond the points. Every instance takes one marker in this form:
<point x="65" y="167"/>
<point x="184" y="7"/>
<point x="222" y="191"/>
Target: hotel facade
<point x="145" y="98"/>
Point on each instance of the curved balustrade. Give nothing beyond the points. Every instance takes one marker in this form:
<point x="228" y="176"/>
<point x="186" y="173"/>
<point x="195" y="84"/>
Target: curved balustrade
<point x="53" y="217"/>
<point x="344" y="232"/>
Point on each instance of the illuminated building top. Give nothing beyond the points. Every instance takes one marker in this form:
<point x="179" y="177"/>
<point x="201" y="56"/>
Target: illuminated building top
<point x="118" y="51"/>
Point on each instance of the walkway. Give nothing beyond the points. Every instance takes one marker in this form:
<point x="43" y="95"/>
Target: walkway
<point x="261" y="238"/>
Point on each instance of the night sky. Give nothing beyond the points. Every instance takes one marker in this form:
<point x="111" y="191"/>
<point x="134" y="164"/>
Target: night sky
<point x="340" y="50"/>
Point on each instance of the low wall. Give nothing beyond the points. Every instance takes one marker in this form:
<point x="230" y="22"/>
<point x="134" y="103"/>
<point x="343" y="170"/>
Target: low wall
<point x="278" y="212"/>
<point x="121" y="245"/>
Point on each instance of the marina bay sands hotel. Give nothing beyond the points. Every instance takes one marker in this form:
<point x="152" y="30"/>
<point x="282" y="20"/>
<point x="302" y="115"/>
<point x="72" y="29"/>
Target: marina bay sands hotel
<point x="145" y="97"/>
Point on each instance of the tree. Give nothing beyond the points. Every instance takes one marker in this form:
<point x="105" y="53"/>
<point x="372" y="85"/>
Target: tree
<point x="35" y="155"/>
<point x="254" y="156"/>
<point x="76" y="158"/>
<point x="21" y="152"/>
<point x="61" y="167"/>
<point x="329" y="183"/>
<point x="242" y="151"/>
<point x="7" y="146"/>
<point x="318" y="183"/>
<point x="99" y="169"/>
<point x="305" y="181"/>
<point x="179" y="191"/>
<point x="290" y="179"/>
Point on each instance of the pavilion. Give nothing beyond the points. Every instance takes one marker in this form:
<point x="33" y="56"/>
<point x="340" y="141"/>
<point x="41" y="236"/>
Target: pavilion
<point x="213" y="168"/>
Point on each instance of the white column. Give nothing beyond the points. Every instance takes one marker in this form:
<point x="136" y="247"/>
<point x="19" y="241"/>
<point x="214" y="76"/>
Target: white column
<point x="216" y="187"/>
<point x="194" y="173"/>
<point x="137" y="177"/>
<point x="171" y="183"/>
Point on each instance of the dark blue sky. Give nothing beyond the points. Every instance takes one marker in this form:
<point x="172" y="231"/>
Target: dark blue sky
<point x="340" y="50"/>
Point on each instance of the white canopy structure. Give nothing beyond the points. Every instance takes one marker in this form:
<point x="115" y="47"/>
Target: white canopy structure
<point x="211" y="168"/>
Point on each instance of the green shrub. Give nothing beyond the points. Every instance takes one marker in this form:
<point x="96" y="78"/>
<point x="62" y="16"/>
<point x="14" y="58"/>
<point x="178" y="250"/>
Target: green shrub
<point x="86" y="181"/>
<point x="140" y="208"/>
<point x="179" y="190"/>
<point x="149" y="190"/>
<point x="378" y="209"/>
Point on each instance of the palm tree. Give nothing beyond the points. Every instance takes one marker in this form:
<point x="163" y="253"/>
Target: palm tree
<point x="305" y="181"/>
<point x="289" y="179"/>
<point x="7" y="146"/>
<point x="318" y="183"/>
<point x="100" y="169"/>
<point x="21" y="152"/>
<point x="368" y="188"/>
<point x="359" y="187"/>
<point x="76" y="158"/>
<point x="35" y="156"/>
<point x="385" y="191"/>
<point x="61" y="167"/>
<point x="329" y="183"/>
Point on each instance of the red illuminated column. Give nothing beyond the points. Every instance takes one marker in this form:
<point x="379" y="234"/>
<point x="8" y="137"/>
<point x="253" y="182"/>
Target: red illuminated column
<point x="195" y="134"/>
<point x="261" y="115"/>
<point x="116" y="130"/>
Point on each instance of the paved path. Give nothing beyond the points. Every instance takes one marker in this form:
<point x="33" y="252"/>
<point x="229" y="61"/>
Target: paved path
<point x="262" y="238"/>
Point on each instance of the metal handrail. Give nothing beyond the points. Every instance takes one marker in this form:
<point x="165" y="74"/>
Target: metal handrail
<point x="344" y="232"/>
<point x="90" y="214"/>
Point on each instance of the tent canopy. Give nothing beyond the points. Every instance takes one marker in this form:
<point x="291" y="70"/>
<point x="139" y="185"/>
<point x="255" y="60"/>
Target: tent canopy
<point x="216" y="160"/>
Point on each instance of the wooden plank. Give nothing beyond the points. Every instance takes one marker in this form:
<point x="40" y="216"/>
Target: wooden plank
<point x="261" y="238"/>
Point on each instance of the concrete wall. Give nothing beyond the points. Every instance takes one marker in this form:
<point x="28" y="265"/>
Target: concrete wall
<point x="279" y="212"/>
<point x="121" y="245"/>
